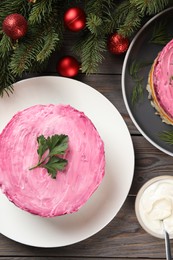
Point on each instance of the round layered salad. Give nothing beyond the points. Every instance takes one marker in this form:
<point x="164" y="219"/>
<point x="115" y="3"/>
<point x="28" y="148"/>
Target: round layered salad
<point x="52" y="159"/>
<point x="160" y="83"/>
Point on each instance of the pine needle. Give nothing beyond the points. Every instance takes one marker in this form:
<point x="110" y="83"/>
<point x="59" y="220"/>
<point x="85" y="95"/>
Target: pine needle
<point x="130" y="23"/>
<point x="135" y="72"/>
<point x="160" y="35"/>
<point x="90" y="50"/>
<point x="40" y="11"/>
<point x="94" y="23"/>
<point x="50" y="43"/>
<point x="149" y="7"/>
<point x="167" y="136"/>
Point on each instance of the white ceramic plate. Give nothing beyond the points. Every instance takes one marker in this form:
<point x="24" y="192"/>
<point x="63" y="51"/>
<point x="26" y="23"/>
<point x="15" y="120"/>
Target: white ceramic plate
<point x="102" y="207"/>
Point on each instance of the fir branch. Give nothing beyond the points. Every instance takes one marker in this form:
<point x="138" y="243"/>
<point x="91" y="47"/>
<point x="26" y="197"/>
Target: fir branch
<point x="50" y="43"/>
<point x="120" y="13"/>
<point x="149" y="7"/>
<point x="94" y="23"/>
<point x="40" y="11"/>
<point x="93" y="44"/>
<point x="90" y="50"/>
<point x="138" y="88"/>
<point x="99" y="14"/>
<point x="5" y="46"/>
<point x="119" y="16"/>
<point x="6" y="79"/>
<point x="135" y="68"/>
<point x="138" y="92"/>
<point x="33" y="50"/>
<point x="167" y="136"/>
<point x="25" y="54"/>
<point x="99" y="7"/>
<point x="131" y="22"/>
<point x="160" y="34"/>
<point x="16" y="6"/>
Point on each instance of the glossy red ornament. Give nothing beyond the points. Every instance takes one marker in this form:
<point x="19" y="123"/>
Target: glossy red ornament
<point x="75" y="19"/>
<point x="117" y="44"/>
<point x="15" y="26"/>
<point x="68" y="66"/>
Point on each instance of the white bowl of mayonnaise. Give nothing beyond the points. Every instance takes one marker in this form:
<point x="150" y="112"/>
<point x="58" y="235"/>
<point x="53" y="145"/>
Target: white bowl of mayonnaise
<point x="154" y="205"/>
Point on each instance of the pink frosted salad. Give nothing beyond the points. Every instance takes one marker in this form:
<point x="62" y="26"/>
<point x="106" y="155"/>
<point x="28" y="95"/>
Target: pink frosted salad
<point x="160" y="83"/>
<point x="36" y="189"/>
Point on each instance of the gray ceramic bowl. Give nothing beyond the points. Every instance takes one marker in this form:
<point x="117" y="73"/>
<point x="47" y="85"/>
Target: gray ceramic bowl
<point x="143" y="51"/>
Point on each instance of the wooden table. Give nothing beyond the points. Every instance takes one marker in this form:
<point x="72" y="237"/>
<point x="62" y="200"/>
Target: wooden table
<point x="122" y="238"/>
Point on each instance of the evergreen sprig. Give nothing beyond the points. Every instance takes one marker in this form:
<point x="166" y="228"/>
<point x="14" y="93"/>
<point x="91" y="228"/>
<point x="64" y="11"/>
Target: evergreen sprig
<point x="138" y="89"/>
<point x="160" y="34"/>
<point x="46" y="32"/>
<point x="131" y="22"/>
<point x="150" y="7"/>
<point x="136" y="74"/>
<point x="90" y="49"/>
<point x="167" y="136"/>
<point x="40" y="11"/>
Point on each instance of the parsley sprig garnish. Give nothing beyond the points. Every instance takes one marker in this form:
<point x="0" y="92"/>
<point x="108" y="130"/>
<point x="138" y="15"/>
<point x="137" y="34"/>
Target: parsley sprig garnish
<point x="54" y="146"/>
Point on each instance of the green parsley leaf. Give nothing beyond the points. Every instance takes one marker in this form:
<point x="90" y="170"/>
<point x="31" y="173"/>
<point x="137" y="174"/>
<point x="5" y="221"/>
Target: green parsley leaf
<point x="42" y="146"/>
<point x="54" y="164"/>
<point x="57" y="144"/>
<point x="54" y="145"/>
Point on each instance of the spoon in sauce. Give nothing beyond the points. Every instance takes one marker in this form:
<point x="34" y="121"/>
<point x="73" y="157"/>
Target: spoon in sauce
<point x="167" y="243"/>
<point x="161" y="210"/>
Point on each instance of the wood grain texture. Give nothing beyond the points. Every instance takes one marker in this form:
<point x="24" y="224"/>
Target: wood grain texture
<point x="149" y="163"/>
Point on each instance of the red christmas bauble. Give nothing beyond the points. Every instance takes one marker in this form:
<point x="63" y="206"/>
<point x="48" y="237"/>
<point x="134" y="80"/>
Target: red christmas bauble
<point x="117" y="44"/>
<point x="75" y="19"/>
<point x="15" y="26"/>
<point x="68" y="66"/>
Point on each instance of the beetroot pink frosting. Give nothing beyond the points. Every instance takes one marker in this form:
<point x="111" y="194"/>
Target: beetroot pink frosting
<point x="34" y="190"/>
<point x="163" y="78"/>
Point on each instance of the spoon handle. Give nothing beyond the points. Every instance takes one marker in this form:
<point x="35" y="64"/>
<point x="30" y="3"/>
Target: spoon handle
<point x="167" y="246"/>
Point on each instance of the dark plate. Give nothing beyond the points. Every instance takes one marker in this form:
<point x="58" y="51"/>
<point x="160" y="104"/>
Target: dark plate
<point x="143" y="51"/>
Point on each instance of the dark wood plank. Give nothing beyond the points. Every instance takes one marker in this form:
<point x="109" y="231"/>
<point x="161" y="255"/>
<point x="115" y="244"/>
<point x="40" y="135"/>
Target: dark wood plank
<point x="149" y="162"/>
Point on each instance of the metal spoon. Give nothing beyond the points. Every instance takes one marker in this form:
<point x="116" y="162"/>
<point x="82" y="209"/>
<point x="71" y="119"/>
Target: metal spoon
<point x="167" y="243"/>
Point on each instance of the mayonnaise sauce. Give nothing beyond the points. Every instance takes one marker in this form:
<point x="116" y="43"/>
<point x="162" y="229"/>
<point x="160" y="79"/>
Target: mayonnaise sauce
<point x="156" y="206"/>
